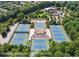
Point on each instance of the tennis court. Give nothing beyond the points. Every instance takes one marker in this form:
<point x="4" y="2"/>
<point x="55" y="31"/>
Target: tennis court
<point x="40" y="44"/>
<point x="19" y="38"/>
<point x="40" y="25"/>
<point x="57" y="33"/>
<point x="23" y="28"/>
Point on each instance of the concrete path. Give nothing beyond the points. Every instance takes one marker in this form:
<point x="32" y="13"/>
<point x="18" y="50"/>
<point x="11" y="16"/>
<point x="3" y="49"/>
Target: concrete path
<point x="31" y="33"/>
<point x="9" y="35"/>
<point x="48" y="33"/>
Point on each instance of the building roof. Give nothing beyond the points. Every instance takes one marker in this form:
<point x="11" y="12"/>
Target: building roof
<point x="40" y="35"/>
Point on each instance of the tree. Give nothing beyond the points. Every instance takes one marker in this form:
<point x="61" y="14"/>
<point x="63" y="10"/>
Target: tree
<point x="14" y="52"/>
<point x="64" y="47"/>
<point x="20" y="16"/>
<point x="67" y="55"/>
<point x="76" y="53"/>
<point x="58" y="54"/>
<point x="45" y="53"/>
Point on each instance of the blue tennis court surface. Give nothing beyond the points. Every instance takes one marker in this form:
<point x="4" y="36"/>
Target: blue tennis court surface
<point x="23" y="28"/>
<point x="40" y="25"/>
<point x="39" y="41"/>
<point x="19" y="38"/>
<point x="57" y="33"/>
<point x="40" y="44"/>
